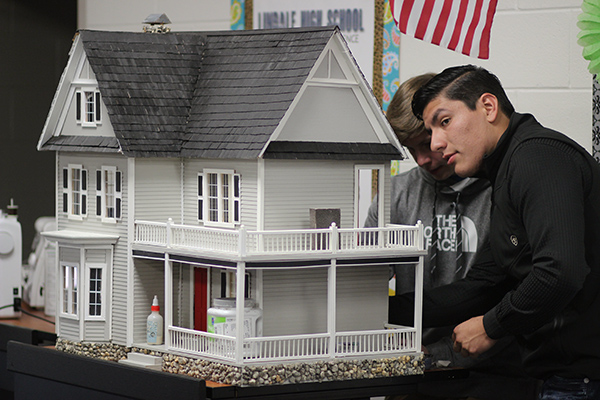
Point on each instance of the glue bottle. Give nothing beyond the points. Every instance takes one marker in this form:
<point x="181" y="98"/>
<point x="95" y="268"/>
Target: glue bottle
<point x="154" y="326"/>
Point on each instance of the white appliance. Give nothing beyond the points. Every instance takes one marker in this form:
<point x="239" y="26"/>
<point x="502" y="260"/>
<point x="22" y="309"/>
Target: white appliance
<point x="10" y="261"/>
<point x="39" y="274"/>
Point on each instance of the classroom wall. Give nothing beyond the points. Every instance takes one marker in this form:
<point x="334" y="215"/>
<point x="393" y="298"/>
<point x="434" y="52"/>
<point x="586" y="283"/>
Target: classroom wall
<point x="533" y="50"/>
<point x="185" y="15"/>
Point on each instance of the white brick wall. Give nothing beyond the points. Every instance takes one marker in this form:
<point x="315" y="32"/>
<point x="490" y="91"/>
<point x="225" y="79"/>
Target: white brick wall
<point x="127" y="15"/>
<point x="534" y="52"/>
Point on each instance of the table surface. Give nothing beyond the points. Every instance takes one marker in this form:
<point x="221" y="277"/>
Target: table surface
<point x="31" y="322"/>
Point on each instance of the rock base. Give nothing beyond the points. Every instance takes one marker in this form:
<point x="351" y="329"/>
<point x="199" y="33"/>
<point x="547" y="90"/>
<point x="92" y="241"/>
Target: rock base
<point x="258" y="375"/>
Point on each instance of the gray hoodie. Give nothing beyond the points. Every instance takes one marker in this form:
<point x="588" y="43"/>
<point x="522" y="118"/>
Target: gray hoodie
<point x="417" y="196"/>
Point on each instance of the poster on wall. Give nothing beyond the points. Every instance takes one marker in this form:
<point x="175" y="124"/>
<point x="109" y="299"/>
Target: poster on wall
<point x="356" y="19"/>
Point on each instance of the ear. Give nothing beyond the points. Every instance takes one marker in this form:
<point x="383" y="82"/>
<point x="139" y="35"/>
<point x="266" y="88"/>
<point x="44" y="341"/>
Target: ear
<point x="490" y="106"/>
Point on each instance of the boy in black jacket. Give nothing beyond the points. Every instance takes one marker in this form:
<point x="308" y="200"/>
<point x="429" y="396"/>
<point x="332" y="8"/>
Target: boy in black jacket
<point x="541" y="278"/>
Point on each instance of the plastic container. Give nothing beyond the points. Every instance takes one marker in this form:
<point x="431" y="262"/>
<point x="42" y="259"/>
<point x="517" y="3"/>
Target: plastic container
<point x="222" y="318"/>
<point x="10" y="260"/>
<point x="154" y="325"/>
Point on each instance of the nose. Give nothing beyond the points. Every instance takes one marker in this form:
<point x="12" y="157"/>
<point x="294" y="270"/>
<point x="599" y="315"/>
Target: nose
<point x="438" y="142"/>
<point x="422" y="157"/>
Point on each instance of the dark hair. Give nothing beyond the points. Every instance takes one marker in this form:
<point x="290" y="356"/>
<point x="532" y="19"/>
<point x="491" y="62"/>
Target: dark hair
<point x="465" y="83"/>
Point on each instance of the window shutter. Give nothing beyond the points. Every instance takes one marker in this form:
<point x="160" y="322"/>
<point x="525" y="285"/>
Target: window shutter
<point x="200" y="197"/>
<point x="99" y="193"/>
<point x="118" y="194"/>
<point x="98" y="108"/>
<point x="78" y="106"/>
<point x="65" y="190"/>
<point x="236" y="198"/>
<point x="84" y="192"/>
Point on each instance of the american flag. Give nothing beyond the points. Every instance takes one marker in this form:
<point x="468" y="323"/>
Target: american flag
<point x="459" y="25"/>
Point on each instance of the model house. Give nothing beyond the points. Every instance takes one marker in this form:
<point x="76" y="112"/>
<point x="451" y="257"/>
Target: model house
<point x="205" y="166"/>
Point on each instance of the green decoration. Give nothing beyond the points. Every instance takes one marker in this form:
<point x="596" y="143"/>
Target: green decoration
<point x="589" y="37"/>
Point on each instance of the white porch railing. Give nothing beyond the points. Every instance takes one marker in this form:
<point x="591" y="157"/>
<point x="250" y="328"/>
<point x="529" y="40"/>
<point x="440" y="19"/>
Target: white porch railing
<point x="242" y="242"/>
<point x="202" y="343"/>
<point x="294" y="347"/>
<point x="375" y="342"/>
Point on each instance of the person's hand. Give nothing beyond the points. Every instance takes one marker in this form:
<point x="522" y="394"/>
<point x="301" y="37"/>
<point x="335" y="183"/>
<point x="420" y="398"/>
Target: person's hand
<point x="470" y="338"/>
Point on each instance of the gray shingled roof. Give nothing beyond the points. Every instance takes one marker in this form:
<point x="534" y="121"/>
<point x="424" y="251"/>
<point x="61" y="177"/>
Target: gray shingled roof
<point x="200" y="94"/>
<point x="246" y="85"/>
<point x="147" y="82"/>
<point x="205" y="94"/>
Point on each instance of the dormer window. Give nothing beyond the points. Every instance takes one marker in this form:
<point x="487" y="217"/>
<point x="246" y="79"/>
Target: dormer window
<point x="88" y="107"/>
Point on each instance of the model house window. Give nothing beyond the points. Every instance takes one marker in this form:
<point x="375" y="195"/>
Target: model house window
<point x="108" y="194"/>
<point x="219" y="197"/>
<point x="69" y="289"/>
<point x="88" y="107"/>
<point x="75" y="191"/>
<point x="95" y="291"/>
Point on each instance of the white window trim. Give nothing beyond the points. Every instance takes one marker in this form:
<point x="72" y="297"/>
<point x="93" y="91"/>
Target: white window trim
<point x="103" y="302"/>
<point x="83" y="192"/>
<point x="117" y="195"/>
<point x="63" y="313"/>
<point x="381" y="198"/>
<point x="234" y="201"/>
<point x="80" y="104"/>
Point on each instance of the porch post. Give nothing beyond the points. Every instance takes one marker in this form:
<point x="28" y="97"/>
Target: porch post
<point x="239" y="311"/>
<point x="331" y="306"/>
<point x="418" y="323"/>
<point x="418" y="302"/>
<point x="168" y="306"/>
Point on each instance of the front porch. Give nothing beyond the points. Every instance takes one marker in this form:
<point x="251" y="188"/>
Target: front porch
<point x="241" y="250"/>
<point x="314" y="347"/>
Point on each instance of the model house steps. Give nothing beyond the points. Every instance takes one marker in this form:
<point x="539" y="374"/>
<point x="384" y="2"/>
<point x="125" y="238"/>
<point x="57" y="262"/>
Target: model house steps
<point x="143" y="361"/>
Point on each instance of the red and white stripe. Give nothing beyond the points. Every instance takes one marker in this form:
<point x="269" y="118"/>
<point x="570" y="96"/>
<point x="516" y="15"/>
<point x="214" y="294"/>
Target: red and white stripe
<point x="459" y="25"/>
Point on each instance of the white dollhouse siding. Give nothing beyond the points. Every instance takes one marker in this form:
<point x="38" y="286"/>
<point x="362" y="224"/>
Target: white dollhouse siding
<point x="362" y="298"/>
<point x="69" y="329"/>
<point x="70" y="254"/>
<point x="387" y="187"/>
<point x="92" y="223"/>
<point x="292" y="188"/>
<point x="148" y="279"/>
<point x="158" y="189"/>
<point x="182" y="292"/>
<point x="96" y="257"/>
<point x="294" y="301"/>
<point x="248" y="190"/>
<point x="95" y="331"/>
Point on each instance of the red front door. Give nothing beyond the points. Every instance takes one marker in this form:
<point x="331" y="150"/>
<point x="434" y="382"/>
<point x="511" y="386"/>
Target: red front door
<point x="200" y="298"/>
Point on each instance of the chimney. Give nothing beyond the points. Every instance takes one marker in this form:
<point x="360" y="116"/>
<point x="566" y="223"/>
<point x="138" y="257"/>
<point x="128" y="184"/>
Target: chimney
<point x="155" y="23"/>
